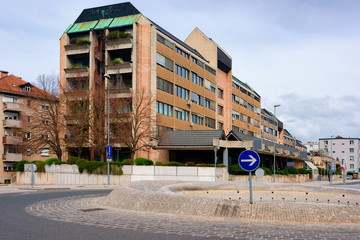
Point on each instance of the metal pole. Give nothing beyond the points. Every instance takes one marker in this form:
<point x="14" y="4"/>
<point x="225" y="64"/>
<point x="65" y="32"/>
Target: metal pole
<point x="275" y="106"/>
<point x="32" y="175"/>
<point x="108" y="125"/>
<point x="215" y="159"/>
<point x="250" y="186"/>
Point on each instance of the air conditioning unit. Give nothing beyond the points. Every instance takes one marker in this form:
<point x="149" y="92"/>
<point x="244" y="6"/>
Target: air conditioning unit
<point x="188" y="102"/>
<point x="191" y="124"/>
<point x="233" y="118"/>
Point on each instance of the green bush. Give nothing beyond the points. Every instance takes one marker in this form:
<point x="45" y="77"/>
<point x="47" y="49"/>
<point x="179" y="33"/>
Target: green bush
<point x="282" y="172"/>
<point x="89" y="166"/>
<point x="190" y="164"/>
<point x="143" y="161"/>
<point x="83" y="41"/>
<point x="117" y="61"/>
<point x="237" y="170"/>
<point x="127" y="162"/>
<point x="212" y="165"/>
<point x="76" y="66"/>
<point x="303" y="171"/>
<point x="19" y="166"/>
<point x="174" y="164"/>
<point x="118" y="34"/>
<point x="267" y="171"/>
<point x="74" y="160"/>
<point x="115" y="169"/>
<point x="323" y="171"/>
<point x="51" y="161"/>
<point x="293" y="170"/>
<point x="159" y="163"/>
<point x="40" y="166"/>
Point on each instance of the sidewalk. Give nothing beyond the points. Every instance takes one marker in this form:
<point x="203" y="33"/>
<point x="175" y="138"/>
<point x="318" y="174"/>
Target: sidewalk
<point x="13" y="188"/>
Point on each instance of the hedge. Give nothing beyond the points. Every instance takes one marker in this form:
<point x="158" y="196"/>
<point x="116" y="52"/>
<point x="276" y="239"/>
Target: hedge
<point x="143" y="161"/>
<point x="127" y="162"/>
<point x="52" y="161"/>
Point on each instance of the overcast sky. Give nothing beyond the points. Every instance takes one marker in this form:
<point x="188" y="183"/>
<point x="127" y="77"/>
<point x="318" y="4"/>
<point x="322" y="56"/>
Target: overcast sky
<point x="304" y="55"/>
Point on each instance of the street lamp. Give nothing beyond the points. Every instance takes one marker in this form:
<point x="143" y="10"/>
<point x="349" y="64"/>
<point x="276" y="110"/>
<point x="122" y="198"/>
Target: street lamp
<point x="275" y="106"/>
<point x="331" y="161"/>
<point x="107" y="76"/>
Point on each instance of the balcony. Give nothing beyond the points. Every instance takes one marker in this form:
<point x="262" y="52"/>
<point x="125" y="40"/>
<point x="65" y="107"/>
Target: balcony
<point x="12" y="140"/>
<point x="12" y="157"/>
<point x="12" y="124"/>
<point x="77" y="72"/>
<point x="116" y="44"/>
<point x="73" y="94"/>
<point x="119" y="68"/>
<point x="15" y="107"/>
<point x="73" y="49"/>
<point x="120" y="92"/>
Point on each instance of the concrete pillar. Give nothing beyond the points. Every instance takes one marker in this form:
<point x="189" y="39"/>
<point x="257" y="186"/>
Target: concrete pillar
<point x="226" y="157"/>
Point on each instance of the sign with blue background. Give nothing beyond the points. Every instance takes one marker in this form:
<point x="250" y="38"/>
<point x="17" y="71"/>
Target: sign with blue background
<point x="249" y="160"/>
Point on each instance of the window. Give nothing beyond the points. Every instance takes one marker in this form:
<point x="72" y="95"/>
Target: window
<point x="352" y="166"/>
<point x="209" y="104"/>
<point x="197" y="79"/>
<point x="250" y="107"/>
<point x="209" y="122"/>
<point x="181" y="71"/>
<point x="326" y="150"/>
<point x="164" y="62"/>
<point x="182" y="114"/>
<point x="28" y="152"/>
<point x="29" y="119"/>
<point x="163" y="108"/>
<point x="326" y="142"/>
<point x="257" y="110"/>
<point x="243" y="103"/>
<point x="236" y="129"/>
<point x="181" y="92"/>
<point x="257" y="123"/>
<point x="28" y="135"/>
<point x="235" y="99"/>
<point x="45" y="121"/>
<point x="210" y="70"/>
<point x="235" y="115"/>
<point x="165" y="42"/>
<point x="220" y="125"/>
<point x="45" y="152"/>
<point x="352" y="142"/>
<point x="197" y="62"/>
<point x="235" y="85"/>
<point x="250" y="133"/>
<point x="27" y="89"/>
<point x="161" y="129"/>
<point x="352" y="158"/>
<point x="243" y="117"/>
<point x="181" y="52"/>
<point x="196" y="98"/>
<point x="220" y="93"/>
<point x="165" y="86"/>
<point x="195" y="118"/>
<point x="210" y="86"/>
<point x="243" y="90"/>
<point x="351" y="150"/>
<point x="45" y="107"/>
<point x="29" y="102"/>
<point x="220" y="110"/>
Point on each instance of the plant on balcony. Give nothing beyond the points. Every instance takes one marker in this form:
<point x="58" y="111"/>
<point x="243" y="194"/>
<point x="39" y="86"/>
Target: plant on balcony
<point x="117" y="61"/>
<point x="76" y="66"/>
<point x="83" y="41"/>
<point x="118" y="34"/>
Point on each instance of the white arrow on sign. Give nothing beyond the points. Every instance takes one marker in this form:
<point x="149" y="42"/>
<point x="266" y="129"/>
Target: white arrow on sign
<point x="252" y="160"/>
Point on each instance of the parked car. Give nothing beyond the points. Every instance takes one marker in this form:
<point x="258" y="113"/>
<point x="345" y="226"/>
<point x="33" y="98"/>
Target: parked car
<point x="349" y="176"/>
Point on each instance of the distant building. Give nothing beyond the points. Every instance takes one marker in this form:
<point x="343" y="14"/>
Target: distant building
<point x="346" y="150"/>
<point x="312" y="146"/>
<point x="270" y="126"/>
<point x="18" y="99"/>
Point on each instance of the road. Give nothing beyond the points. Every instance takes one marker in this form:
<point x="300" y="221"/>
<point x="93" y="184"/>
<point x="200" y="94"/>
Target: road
<point x="15" y="223"/>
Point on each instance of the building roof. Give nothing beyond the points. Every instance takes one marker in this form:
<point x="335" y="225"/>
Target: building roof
<point x="338" y="138"/>
<point x="13" y="85"/>
<point x="245" y="85"/>
<point x="190" y="137"/>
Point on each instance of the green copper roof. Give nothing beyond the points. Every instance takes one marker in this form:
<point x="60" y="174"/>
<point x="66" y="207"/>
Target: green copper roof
<point x="103" y="23"/>
<point x="69" y="27"/>
<point x="124" y="21"/>
<point x="82" y="27"/>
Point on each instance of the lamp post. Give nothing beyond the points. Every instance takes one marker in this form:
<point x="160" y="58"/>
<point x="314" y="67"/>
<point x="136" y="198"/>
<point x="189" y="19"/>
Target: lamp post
<point x="275" y="106"/>
<point x="331" y="161"/>
<point x="107" y="76"/>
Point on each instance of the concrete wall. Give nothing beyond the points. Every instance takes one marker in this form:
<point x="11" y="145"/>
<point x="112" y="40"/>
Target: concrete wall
<point x="291" y="178"/>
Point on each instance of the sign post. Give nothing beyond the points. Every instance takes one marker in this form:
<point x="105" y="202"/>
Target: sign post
<point x="249" y="160"/>
<point x="109" y="156"/>
<point x="31" y="168"/>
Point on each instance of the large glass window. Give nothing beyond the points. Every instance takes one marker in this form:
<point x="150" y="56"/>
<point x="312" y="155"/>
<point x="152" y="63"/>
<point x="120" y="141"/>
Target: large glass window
<point x="197" y="62"/>
<point x="164" y="85"/>
<point x="209" y="122"/>
<point x="164" y="62"/>
<point x="352" y="158"/>
<point x="220" y="110"/>
<point x="235" y="115"/>
<point x="165" y="42"/>
<point x="163" y="108"/>
<point x="352" y="142"/>
<point x="195" y="118"/>
<point x="220" y="93"/>
<point x="351" y="150"/>
<point x="181" y="52"/>
<point x="197" y="79"/>
<point x="181" y="92"/>
<point x="209" y="69"/>
<point x="182" y="114"/>
<point x="181" y="71"/>
<point x="196" y="98"/>
<point x="235" y="99"/>
<point x="209" y="104"/>
<point x="210" y="85"/>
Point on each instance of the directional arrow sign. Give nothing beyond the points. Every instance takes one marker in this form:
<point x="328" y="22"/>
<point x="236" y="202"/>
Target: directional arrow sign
<point x="249" y="160"/>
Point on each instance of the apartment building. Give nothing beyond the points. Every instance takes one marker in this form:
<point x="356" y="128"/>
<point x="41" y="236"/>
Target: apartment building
<point x="312" y="146"/>
<point x="271" y="126"/>
<point x="191" y="82"/>
<point x="346" y="150"/>
<point x="18" y="99"/>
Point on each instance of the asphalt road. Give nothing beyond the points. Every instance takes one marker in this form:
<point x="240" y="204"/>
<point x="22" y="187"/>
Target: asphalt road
<point x="15" y="223"/>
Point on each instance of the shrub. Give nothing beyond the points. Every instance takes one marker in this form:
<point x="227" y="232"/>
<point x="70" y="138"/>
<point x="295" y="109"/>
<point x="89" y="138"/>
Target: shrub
<point x="118" y="34"/>
<point x="293" y="170"/>
<point x="282" y="172"/>
<point x="143" y="161"/>
<point x="19" y="166"/>
<point x="117" y="61"/>
<point x="159" y="163"/>
<point x="89" y="166"/>
<point x="237" y="170"/>
<point x="190" y="164"/>
<point x="303" y="171"/>
<point x="323" y="171"/>
<point x="76" y="66"/>
<point x="40" y="166"/>
<point x="127" y="162"/>
<point x="267" y="171"/>
<point x="174" y="164"/>
<point x="83" y="41"/>
<point x="201" y="165"/>
<point x="212" y="165"/>
<point x="72" y="160"/>
<point x="52" y="161"/>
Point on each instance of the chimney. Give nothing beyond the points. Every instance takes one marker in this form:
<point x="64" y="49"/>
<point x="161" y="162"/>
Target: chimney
<point x="3" y="74"/>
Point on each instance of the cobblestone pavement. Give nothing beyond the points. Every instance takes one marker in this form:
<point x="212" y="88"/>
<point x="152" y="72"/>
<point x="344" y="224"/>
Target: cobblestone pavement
<point x="88" y="210"/>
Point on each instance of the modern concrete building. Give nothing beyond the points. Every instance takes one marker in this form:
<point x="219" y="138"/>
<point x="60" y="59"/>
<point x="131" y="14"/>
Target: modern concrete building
<point x="190" y="82"/>
<point x="270" y="126"/>
<point x="18" y="100"/>
<point x="312" y="146"/>
<point x="346" y="150"/>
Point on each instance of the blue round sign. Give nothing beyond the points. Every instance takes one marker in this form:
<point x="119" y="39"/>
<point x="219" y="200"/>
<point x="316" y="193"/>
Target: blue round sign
<point x="249" y="160"/>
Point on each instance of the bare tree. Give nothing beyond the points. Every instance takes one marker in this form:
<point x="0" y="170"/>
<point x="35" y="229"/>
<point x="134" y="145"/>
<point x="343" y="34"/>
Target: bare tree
<point x="44" y="125"/>
<point x="132" y="124"/>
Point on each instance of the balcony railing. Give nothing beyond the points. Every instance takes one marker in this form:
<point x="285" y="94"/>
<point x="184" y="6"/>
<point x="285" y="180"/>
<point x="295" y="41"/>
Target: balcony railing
<point x="121" y="43"/>
<point x="12" y="123"/>
<point x="12" y="140"/>
<point x="16" y="107"/>
<point x="120" y="92"/>
<point x="119" y="68"/>
<point x="12" y="157"/>
<point x="76" y="72"/>
<point x="73" y="49"/>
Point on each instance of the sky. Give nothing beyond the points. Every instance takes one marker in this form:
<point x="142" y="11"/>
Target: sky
<point x="301" y="54"/>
